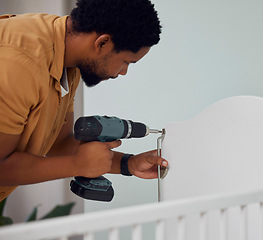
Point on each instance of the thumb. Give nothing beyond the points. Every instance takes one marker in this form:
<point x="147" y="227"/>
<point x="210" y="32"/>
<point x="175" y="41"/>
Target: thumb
<point x="113" y="144"/>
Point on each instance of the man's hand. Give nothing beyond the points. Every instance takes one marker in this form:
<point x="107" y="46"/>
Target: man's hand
<point x="145" y="165"/>
<point x="94" y="159"/>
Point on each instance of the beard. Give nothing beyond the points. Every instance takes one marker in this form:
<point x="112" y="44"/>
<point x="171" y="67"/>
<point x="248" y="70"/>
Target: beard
<point x="93" y="72"/>
<point x="90" y="78"/>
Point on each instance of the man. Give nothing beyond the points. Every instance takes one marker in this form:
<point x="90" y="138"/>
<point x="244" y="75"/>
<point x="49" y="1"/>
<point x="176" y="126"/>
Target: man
<point x="41" y="59"/>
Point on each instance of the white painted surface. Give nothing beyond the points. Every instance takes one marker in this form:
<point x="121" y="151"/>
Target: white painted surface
<point x="112" y="221"/>
<point x="218" y="151"/>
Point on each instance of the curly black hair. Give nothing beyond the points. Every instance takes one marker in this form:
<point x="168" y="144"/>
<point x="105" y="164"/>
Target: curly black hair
<point x="132" y="24"/>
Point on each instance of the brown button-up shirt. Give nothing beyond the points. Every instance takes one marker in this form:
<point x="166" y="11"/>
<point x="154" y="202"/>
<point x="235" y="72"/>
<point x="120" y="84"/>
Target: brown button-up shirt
<point x="32" y="48"/>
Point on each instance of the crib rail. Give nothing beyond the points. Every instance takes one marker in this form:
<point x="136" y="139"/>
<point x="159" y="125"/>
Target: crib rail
<point x="111" y="220"/>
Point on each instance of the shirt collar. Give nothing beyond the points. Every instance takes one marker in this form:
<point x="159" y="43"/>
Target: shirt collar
<point x="56" y="69"/>
<point x="64" y="83"/>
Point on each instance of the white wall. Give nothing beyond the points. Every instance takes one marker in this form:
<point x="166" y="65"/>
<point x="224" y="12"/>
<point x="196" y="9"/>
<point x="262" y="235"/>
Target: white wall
<point x="209" y="50"/>
<point x="45" y="195"/>
<point x="28" y="6"/>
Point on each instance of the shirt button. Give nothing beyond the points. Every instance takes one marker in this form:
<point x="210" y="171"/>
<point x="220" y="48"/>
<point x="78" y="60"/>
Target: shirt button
<point x="2" y="194"/>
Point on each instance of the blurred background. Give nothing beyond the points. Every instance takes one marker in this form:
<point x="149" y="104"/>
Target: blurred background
<point x="209" y="50"/>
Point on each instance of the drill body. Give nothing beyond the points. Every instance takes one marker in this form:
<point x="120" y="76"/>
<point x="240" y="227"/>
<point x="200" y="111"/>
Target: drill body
<point x="103" y="129"/>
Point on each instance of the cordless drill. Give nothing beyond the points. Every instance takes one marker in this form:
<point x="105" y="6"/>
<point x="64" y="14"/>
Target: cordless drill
<point x="103" y="129"/>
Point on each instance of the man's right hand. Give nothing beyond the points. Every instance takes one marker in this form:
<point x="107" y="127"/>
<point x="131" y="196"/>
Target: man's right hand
<point x="94" y="159"/>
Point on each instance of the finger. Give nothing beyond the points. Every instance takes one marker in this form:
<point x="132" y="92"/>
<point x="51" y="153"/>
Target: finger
<point x="157" y="160"/>
<point x="164" y="163"/>
<point x="154" y="152"/>
<point x="113" y="144"/>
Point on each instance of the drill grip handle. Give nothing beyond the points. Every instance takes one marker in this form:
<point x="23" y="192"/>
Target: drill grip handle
<point x="89" y="129"/>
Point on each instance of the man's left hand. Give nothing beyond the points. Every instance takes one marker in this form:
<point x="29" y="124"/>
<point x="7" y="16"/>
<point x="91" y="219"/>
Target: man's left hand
<point x="145" y="165"/>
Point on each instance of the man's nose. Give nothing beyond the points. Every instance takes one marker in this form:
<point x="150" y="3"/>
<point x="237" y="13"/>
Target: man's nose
<point x="124" y="70"/>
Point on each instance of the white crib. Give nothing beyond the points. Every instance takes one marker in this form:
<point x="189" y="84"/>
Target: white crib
<point x="87" y="225"/>
<point x="213" y="190"/>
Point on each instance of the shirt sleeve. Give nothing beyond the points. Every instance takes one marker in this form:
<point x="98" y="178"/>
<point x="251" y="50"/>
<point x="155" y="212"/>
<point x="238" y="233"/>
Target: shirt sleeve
<point x="18" y="90"/>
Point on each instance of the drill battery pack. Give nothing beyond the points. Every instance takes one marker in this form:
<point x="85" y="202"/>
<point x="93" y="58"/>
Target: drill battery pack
<point x="97" y="189"/>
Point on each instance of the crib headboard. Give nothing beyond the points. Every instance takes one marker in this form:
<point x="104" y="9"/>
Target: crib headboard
<point x="218" y="151"/>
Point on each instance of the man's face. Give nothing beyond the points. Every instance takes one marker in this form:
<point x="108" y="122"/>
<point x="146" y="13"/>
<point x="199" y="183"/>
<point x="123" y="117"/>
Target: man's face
<point x="93" y="71"/>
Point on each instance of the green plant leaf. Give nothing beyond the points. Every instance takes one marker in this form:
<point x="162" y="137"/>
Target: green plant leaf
<point x="5" y="221"/>
<point x="60" y="210"/>
<point x="2" y="206"/>
<point x="32" y="216"/>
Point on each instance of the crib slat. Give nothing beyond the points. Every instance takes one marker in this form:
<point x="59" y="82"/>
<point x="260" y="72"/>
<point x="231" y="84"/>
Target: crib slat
<point x="181" y="228"/>
<point x="223" y="224"/>
<point x="88" y="236"/>
<point x="244" y="223"/>
<point x="261" y="222"/>
<point x="136" y="232"/>
<point x="114" y="234"/>
<point x="203" y="226"/>
<point x="159" y="230"/>
<point x="101" y="221"/>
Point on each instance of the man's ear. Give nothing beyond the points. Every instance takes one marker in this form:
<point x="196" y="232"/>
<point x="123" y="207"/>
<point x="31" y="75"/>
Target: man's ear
<point x="103" y="42"/>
